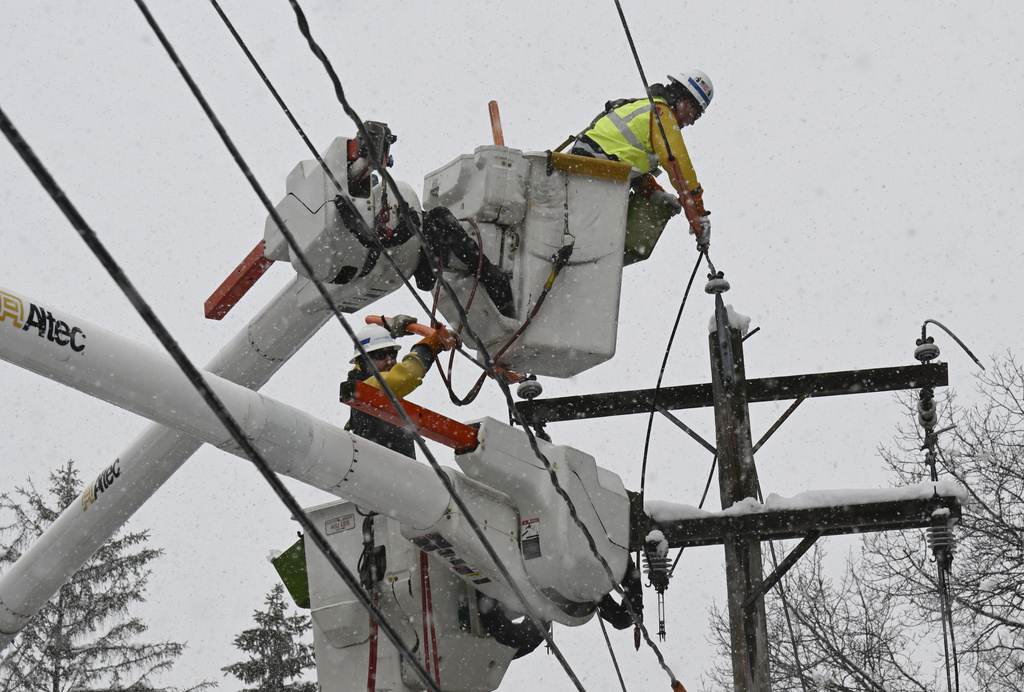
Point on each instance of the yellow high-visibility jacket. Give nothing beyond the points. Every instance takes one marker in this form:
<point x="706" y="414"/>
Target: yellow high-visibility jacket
<point x="406" y="375"/>
<point x="402" y="380"/>
<point x="631" y="134"/>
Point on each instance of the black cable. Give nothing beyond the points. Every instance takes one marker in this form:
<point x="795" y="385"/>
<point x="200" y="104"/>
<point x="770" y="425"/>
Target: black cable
<point x="703" y="497"/>
<point x="643" y="78"/>
<point x="611" y="652"/>
<point x="403" y="208"/>
<point x="194" y="376"/>
<point x="661" y="375"/>
<point x="947" y="632"/>
<point x="323" y="164"/>
<point x="404" y="211"/>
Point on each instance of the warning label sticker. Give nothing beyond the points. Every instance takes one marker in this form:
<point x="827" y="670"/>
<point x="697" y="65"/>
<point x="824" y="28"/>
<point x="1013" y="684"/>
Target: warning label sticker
<point x="436" y="543"/>
<point x="339" y="524"/>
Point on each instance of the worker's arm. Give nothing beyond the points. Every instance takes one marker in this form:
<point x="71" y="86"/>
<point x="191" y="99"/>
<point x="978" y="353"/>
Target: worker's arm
<point x="408" y="375"/>
<point x="679" y="168"/>
<point x="404" y="377"/>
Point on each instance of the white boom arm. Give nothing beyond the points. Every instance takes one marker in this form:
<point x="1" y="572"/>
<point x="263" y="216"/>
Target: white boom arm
<point x="560" y="587"/>
<point x="250" y="359"/>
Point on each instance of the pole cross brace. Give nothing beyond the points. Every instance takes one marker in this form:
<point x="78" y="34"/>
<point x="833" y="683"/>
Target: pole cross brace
<point x="758" y="390"/>
<point x="769" y="524"/>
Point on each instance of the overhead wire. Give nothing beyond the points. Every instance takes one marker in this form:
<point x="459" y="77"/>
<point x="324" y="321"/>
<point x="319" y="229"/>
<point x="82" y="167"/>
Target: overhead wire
<point x="661" y="374"/>
<point x="327" y="170"/>
<point x="643" y="77"/>
<point x="654" y="407"/>
<point x="195" y="378"/>
<point x="364" y="230"/>
<point x="611" y="652"/>
<point x="403" y="207"/>
<point x="703" y="251"/>
<point x="298" y="128"/>
<point x="404" y="210"/>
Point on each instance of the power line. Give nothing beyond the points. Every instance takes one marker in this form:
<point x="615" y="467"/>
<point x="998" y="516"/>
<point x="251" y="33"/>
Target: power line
<point x="363" y="230"/>
<point x="643" y="78"/>
<point x="404" y="210"/>
<point x="661" y="374"/>
<point x="298" y="128"/>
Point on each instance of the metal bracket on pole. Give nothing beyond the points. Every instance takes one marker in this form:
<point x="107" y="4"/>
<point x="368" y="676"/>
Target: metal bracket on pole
<point x="783" y="567"/>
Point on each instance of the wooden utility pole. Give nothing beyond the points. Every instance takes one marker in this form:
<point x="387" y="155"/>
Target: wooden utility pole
<point x="737" y="480"/>
<point x="741" y="533"/>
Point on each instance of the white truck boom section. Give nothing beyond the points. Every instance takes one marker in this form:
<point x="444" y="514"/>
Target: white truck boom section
<point x="505" y="485"/>
<point x="250" y="359"/>
<point x="531" y="217"/>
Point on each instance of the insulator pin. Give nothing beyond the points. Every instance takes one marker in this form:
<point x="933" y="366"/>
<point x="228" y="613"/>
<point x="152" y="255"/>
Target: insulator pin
<point x="657" y="568"/>
<point x="926" y="350"/>
<point x="940" y="538"/>
<point x="716" y="284"/>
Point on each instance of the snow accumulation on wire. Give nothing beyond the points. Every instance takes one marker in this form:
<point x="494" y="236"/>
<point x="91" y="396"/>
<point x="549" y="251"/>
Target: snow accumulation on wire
<point x="661" y="511"/>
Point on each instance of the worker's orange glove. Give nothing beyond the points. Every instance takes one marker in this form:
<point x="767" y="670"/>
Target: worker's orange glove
<point x="700" y="224"/>
<point x="440" y="340"/>
<point x="694" y="203"/>
<point x="677" y="686"/>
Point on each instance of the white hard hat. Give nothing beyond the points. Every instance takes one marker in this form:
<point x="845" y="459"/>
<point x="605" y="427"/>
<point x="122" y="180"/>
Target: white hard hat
<point x="373" y="337"/>
<point x="698" y="84"/>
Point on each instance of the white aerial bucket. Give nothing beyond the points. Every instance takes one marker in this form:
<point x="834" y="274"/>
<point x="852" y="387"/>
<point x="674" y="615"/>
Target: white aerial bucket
<point x="526" y="207"/>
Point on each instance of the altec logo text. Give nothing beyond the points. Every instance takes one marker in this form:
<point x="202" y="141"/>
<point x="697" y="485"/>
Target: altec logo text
<point x="102" y="482"/>
<point x="57" y="331"/>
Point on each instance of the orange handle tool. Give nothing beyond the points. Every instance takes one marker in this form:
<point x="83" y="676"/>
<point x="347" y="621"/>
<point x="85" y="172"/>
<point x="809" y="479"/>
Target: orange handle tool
<point x="499" y="137"/>
<point x="415" y="328"/>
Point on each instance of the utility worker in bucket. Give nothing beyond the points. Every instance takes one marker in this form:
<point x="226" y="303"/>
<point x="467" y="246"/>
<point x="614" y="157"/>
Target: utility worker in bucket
<point x="401" y="377"/>
<point x="628" y="131"/>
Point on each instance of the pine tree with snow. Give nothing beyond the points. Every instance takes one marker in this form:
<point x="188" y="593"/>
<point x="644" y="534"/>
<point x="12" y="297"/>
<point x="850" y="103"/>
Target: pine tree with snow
<point x="84" y="639"/>
<point x="276" y="652"/>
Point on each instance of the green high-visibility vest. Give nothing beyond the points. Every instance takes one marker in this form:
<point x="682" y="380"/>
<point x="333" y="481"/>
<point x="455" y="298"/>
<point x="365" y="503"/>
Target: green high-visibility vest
<point x="626" y="133"/>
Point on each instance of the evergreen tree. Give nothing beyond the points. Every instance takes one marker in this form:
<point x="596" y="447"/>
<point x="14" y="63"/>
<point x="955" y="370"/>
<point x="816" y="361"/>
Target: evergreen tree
<point x="83" y="639"/>
<point x="276" y="653"/>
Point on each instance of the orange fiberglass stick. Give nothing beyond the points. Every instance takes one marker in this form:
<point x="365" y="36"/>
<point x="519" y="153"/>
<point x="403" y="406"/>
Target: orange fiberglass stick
<point x="499" y="137"/>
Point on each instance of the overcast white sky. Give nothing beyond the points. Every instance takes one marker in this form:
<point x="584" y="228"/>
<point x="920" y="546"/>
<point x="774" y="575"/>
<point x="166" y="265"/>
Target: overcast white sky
<point x="863" y="163"/>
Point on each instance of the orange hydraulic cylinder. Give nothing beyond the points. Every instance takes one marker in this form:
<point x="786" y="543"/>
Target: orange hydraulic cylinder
<point x="431" y="425"/>
<point x="237" y="284"/>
